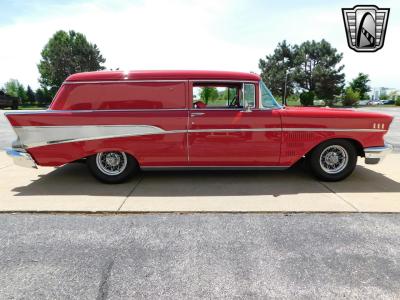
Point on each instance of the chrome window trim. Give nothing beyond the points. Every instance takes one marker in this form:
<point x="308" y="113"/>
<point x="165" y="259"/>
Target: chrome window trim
<point x="260" y="99"/>
<point x="221" y="109"/>
<point x="222" y="82"/>
<point x="124" y="81"/>
<point x="244" y="101"/>
<point x="157" y="80"/>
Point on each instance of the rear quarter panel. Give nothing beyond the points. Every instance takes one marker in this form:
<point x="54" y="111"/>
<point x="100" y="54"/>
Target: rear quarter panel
<point x="153" y="149"/>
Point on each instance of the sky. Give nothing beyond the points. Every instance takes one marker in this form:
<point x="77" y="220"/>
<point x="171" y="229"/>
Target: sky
<point x="188" y="34"/>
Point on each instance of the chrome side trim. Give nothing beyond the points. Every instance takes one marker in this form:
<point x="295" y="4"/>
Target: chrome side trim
<point x="235" y="130"/>
<point x="35" y="136"/>
<point x="335" y="129"/>
<point x="21" y="157"/>
<point x="117" y="110"/>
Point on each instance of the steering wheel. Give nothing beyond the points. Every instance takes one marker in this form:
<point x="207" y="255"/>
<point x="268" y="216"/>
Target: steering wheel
<point x="233" y="102"/>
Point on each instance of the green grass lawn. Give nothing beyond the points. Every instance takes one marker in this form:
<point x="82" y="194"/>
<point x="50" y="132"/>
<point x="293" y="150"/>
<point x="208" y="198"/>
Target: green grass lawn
<point x="28" y="108"/>
<point x="31" y="107"/>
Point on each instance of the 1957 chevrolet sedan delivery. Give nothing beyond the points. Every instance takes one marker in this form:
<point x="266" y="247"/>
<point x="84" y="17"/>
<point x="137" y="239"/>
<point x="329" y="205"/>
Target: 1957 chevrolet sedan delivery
<point x="120" y="122"/>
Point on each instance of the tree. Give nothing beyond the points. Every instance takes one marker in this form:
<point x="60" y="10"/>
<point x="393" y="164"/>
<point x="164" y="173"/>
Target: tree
<point x="11" y="87"/>
<point x="313" y="66"/>
<point x="274" y="67"/>
<point x="22" y="94"/>
<point x="209" y="93"/>
<point x="30" y="95"/>
<point x="397" y="101"/>
<point x="360" y="84"/>
<point x="393" y="95"/>
<point x="43" y="97"/>
<point x="15" y="89"/>
<point x="64" y="54"/>
<point x="350" y="97"/>
<point x="317" y="70"/>
<point x="307" y="98"/>
<point x="384" y="97"/>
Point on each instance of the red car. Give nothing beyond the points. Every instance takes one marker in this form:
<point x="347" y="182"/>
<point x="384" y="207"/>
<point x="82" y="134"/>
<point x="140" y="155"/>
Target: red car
<point x="122" y="122"/>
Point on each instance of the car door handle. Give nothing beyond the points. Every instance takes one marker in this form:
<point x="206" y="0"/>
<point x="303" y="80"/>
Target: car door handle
<point x="195" y="114"/>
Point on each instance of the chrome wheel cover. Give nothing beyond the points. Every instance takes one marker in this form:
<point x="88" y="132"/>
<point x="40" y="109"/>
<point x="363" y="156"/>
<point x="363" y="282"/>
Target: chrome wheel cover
<point x="333" y="159"/>
<point x="111" y="163"/>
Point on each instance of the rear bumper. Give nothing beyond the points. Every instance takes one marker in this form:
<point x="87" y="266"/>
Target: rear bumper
<point x="21" y="157"/>
<point x="374" y="154"/>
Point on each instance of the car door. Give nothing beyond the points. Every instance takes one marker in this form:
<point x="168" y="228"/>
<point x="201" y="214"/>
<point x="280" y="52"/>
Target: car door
<point x="233" y="135"/>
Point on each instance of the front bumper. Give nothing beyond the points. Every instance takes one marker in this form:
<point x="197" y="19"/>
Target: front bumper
<point x="374" y="154"/>
<point x="21" y="157"/>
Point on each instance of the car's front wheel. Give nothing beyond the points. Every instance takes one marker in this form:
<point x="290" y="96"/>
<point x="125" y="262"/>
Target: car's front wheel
<point x="333" y="160"/>
<point x="112" y="166"/>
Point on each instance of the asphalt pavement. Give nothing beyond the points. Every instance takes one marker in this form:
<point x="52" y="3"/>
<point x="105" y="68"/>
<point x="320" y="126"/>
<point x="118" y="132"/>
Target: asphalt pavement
<point x="200" y="256"/>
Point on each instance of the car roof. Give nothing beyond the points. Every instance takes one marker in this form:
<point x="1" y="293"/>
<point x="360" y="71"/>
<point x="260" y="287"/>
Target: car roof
<point x="163" y="75"/>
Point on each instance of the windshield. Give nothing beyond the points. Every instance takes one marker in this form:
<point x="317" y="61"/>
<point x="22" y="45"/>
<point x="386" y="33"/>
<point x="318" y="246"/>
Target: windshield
<point x="267" y="100"/>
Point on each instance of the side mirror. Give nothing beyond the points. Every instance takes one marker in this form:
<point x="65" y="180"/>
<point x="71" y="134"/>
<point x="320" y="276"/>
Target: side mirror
<point x="247" y="107"/>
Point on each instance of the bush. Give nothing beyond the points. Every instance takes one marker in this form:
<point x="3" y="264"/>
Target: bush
<point x="350" y="97"/>
<point x="293" y="100"/>
<point x="398" y="101"/>
<point x="330" y="102"/>
<point x="307" y="98"/>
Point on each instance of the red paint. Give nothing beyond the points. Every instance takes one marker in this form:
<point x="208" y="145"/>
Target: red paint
<point x="162" y="75"/>
<point x="249" y="138"/>
<point x="121" y="95"/>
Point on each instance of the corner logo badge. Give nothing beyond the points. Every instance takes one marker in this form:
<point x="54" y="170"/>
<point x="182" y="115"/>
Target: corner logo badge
<point x="365" y="27"/>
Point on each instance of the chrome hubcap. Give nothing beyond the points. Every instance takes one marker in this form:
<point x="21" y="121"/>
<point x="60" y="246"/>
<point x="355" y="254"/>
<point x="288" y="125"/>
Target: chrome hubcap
<point x="111" y="163"/>
<point x="333" y="159"/>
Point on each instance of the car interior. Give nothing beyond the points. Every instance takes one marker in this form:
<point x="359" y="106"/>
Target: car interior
<point x="222" y="95"/>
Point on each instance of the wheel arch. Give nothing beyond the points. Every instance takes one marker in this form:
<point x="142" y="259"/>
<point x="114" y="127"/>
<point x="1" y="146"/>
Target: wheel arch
<point x="357" y="145"/>
<point x="113" y="149"/>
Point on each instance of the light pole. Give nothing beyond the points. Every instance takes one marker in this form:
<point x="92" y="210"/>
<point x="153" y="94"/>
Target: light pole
<point x="284" y="93"/>
<point x="285" y="59"/>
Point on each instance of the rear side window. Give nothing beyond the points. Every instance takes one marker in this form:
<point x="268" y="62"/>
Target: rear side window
<point x="129" y="95"/>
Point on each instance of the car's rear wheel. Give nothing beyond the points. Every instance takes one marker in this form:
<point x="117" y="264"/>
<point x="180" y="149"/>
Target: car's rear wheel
<point x="112" y="166"/>
<point x="333" y="160"/>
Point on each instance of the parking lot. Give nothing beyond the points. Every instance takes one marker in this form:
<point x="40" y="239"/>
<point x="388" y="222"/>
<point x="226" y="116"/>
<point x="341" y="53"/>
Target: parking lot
<point x="371" y="188"/>
<point x="200" y="256"/>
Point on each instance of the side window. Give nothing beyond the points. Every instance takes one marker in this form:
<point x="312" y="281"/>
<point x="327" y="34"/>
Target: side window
<point x="121" y="95"/>
<point x="267" y="100"/>
<point x="223" y="95"/>
<point x="249" y="94"/>
<point x="212" y="96"/>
